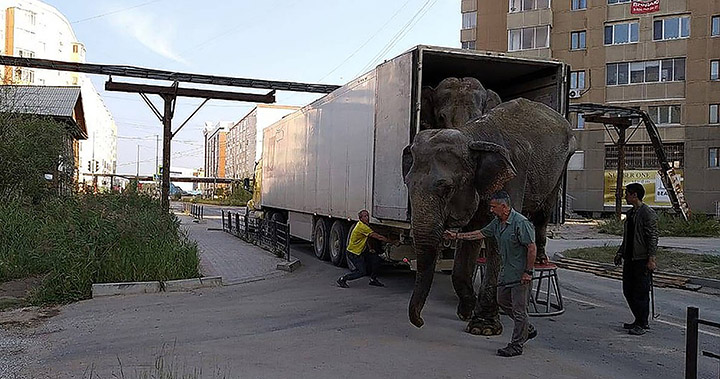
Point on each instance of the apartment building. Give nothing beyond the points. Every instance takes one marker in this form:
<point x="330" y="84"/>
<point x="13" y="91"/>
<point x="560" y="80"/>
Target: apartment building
<point x="244" y="140"/>
<point x="33" y="29"/>
<point x="215" y="153"/>
<point x="662" y="56"/>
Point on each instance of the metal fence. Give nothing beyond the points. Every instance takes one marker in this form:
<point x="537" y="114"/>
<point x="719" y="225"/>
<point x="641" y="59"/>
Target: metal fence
<point x="717" y="210"/>
<point x="268" y="234"/>
<point x="691" y="343"/>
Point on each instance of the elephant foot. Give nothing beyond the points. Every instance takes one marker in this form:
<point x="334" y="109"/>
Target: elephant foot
<point x="465" y="310"/>
<point x="484" y="327"/>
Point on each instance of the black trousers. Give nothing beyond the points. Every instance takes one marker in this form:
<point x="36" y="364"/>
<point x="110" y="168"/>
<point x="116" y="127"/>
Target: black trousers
<point x="636" y="288"/>
<point x="364" y="264"/>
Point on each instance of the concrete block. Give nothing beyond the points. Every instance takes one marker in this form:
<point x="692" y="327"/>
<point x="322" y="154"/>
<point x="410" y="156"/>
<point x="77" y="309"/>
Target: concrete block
<point x="291" y="266"/>
<point x="191" y="284"/>
<point x="126" y="288"/>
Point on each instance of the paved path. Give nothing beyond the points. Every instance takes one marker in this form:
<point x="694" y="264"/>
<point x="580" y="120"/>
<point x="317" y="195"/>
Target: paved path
<point x="228" y="256"/>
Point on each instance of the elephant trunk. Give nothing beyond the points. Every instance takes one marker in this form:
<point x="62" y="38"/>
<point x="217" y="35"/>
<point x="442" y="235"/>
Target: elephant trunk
<point x="427" y="236"/>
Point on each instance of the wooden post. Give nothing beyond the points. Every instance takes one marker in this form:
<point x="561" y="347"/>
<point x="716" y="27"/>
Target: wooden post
<point x="620" y="171"/>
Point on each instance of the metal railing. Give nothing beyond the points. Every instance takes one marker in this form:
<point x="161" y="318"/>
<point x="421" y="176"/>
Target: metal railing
<point x="269" y="234"/>
<point x="717" y="210"/>
<point x="691" y="343"/>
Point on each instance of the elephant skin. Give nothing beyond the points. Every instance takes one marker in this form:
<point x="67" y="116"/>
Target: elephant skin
<point x="520" y="146"/>
<point x="455" y="101"/>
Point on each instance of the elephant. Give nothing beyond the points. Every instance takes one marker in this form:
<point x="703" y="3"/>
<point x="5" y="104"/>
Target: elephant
<point x="455" y="101"/>
<point x="521" y="146"/>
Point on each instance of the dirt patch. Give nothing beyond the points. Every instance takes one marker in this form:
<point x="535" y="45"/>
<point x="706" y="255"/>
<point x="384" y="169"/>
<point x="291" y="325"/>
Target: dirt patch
<point x="577" y="229"/>
<point x="28" y="316"/>
<point x="19" y="288"/>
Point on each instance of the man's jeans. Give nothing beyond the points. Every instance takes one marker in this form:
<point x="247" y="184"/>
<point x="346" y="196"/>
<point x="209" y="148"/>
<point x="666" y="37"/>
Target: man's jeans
<point x="359" y="265"/>
<point x="636" y="288"/>
<point x="514" y="302"/>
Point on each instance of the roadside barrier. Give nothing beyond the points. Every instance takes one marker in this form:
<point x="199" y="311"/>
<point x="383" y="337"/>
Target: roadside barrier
<point x="197" y="211"/>
<point x="691" y="342"/>
<point x="269" y="234"/>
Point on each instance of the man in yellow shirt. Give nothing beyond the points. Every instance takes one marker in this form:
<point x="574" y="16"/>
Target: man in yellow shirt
<point x="358" y="254"/>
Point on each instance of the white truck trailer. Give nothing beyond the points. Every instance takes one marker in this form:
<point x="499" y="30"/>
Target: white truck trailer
<point x="342" y="153"/>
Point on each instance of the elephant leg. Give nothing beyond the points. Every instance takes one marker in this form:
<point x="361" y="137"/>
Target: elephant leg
<point x="486" y="319"/>
<point x="540" y="221"/>
<point x="463" y="269"/>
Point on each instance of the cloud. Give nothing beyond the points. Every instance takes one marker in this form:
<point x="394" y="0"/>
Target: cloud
<point x="152" y="32"/>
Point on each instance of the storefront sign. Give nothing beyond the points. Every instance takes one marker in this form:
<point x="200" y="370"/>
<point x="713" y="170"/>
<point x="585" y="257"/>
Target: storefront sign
<point x="647" y="6"/>
<point x="655" y="193"/>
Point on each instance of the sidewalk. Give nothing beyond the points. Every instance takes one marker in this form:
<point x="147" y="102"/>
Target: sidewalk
<point x="222" y="254"/>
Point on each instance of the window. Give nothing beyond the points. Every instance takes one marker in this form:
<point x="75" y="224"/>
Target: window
<point x="75" y="48"/>
<point x="580" y="121"/>
<point x="25" y="54"/>
<point x="643" y="156"/>
<point x="665" y="114"/>
<point x="577" y="80"/>
<point x="713" y="157"/>
<point x="470" y="45"/>
<point x="715" y="28"/>
<point x="671" y="28"/>
<point x="714" y="113"/>
<point x="577" y="161"/>
<point x="528" y="5"/>
<point x="667" y="70"/>
<point x="469" y="20"/>
<point x="529" y="38"/>
<point x="577" y="40"/>
<point x="23" y="75"/>
<point x="618" y="34"/>
<point x="715" y="70"/>
<point x="578" y="4"/>
<point x="618" y="1"/>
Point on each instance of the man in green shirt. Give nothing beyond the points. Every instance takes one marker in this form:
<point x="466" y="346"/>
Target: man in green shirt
<point x="515" y="236"/>
<point x="359" y="255"/>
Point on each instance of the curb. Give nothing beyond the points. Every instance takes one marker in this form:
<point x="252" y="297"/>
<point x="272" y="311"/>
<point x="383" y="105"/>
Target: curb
<point x="134" y="288"/>
<point x="289" y="266"/>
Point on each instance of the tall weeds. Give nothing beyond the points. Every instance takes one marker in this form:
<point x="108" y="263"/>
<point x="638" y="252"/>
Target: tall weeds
<point x="74" y="242"/>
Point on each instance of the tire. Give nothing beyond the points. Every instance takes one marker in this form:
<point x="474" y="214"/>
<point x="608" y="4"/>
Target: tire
<point x="321" y="235"/>
<point x="338" y="243"/>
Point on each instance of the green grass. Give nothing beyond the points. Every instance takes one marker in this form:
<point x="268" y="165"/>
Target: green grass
<point x="699" y="225"/>
<point x="74" y="242"/>
<point x="669" y="261"/>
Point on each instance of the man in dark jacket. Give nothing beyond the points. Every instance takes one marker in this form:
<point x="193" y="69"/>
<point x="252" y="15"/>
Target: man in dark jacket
<point x="640" y="239"/>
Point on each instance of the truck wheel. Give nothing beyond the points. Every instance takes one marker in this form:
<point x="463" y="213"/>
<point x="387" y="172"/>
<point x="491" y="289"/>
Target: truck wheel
<point x="338" y="243"/>
<point x="320" y="239"/>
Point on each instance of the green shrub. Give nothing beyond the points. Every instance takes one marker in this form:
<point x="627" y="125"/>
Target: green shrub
<point x="671" y="225"/>
<point x="75" y="242"/>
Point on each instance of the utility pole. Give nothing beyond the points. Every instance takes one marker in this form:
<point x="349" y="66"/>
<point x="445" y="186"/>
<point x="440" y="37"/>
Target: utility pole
<point x="137" y="167"/>
<point x="157" y="141"/>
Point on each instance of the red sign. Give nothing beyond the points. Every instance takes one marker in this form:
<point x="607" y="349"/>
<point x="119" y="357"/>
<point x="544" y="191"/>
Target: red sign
<point x="647" y="6"/>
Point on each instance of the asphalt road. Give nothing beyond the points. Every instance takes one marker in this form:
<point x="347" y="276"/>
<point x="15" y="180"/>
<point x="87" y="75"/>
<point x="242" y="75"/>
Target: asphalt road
<point x="303" y="326"/>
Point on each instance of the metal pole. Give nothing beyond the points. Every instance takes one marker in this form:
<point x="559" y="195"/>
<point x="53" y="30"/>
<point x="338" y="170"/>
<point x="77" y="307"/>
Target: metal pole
<point x="691" y="343"/>
<point x="157" y="142"/>
<point x="137" y="167"/>
<point x="620" y="172"/>
<point x="167" y="135"/>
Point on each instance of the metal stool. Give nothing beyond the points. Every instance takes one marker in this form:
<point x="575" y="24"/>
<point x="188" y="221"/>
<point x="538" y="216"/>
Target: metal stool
<point x="545" y="301"/>
<point x="479" y="273"/>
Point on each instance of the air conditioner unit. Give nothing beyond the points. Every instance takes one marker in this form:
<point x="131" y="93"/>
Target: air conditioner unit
<point x="575" y="93"/>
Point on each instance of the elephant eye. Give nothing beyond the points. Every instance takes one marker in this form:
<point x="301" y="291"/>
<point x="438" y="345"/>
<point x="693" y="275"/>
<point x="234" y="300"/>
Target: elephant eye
<point x="443" y="186"/>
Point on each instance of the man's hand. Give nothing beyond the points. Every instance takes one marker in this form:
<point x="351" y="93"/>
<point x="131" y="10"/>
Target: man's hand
<point x="448" y="235"/>
<point x="526" y="278"/>
<point x="651" y="265"/>
<point x="618" y="259"/>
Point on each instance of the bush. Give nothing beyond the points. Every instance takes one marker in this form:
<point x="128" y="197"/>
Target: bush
<point x="75" y="242"/>
<point x="671" y="225"/>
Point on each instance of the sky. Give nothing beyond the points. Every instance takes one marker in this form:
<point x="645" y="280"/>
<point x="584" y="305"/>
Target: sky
<point x="311" y="41"/>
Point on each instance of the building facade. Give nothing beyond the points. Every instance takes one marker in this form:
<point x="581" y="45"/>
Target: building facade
<point x="33" y="29"/>
<point x="661" y="56"/>
<point x="215" y="144"/>
<point x="244" y="140"/>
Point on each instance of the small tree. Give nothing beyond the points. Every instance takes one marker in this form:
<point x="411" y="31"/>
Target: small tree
<point x="36" y="156"/>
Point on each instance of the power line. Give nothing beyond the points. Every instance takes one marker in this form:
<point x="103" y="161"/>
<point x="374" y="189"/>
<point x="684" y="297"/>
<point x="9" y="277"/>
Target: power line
<point x="400" y="34"/>
<point x="115" y="11"/>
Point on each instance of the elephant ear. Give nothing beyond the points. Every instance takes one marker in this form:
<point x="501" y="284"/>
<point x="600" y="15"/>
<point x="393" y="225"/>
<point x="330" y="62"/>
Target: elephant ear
<point x="427" y="108"/>
<point x="407" y="161"/>
<point x="493" y="100"/>
<point x="494" y="167"/>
